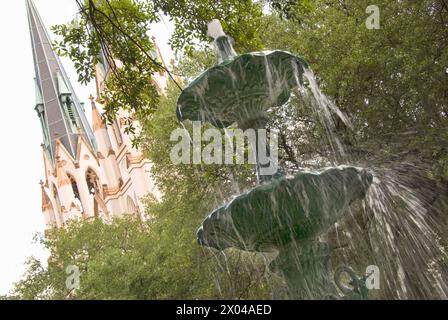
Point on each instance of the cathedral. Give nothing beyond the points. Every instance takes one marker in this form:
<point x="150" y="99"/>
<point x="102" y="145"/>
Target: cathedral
<point x="91" y="170"/>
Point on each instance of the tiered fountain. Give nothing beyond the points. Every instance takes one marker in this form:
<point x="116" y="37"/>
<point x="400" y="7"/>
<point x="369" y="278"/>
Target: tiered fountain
<point x="286" y="214"/>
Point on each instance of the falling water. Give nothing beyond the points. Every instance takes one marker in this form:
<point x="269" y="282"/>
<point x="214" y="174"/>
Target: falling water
<point x="404" y="230"/>
<point x="323" y="107"/>
<point x="399" y="227"/>
<point x="395" y="228"/>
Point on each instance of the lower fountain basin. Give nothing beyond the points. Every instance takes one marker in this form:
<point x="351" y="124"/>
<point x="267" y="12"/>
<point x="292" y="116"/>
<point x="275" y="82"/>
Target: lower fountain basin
<point x="285" y="209"/>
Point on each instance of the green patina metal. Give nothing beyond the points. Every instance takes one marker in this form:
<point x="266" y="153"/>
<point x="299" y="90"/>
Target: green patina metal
<point x="286" y="214"/>
<point x="241" y="89"/>
<point x="298" y="208"/>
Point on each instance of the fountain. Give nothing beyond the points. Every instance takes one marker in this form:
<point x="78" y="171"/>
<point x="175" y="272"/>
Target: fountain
<point x="282" y="213"/>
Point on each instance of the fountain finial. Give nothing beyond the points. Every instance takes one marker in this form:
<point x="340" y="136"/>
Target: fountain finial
<point x="223" y="43"/>
<point x="215" y="29"/>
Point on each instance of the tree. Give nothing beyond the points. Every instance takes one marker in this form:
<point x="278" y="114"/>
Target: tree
<point x="158" y="258"/>
<point x="117" y="30"/>
<point x="128" y="259"/>
<point x="392" y="82"/>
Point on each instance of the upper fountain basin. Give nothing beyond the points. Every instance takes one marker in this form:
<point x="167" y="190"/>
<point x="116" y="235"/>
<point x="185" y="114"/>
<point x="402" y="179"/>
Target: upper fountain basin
<point x="241" y="89"/>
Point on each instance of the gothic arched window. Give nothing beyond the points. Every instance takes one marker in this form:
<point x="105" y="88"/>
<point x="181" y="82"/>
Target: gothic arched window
<point x="76" y="192"/>
<point x="58" y="209"/>
<point x="132" y="208"/>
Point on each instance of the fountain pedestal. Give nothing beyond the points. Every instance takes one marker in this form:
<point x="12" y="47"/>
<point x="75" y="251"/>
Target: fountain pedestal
<point x="305" y="270"/>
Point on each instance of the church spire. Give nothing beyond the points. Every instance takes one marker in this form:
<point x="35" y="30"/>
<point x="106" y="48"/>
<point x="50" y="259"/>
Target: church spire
<point x="97" y="121"/>
<point x="60" y="112"/>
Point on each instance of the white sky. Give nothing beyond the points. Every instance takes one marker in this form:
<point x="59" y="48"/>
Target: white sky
<point x="21" y="165"/>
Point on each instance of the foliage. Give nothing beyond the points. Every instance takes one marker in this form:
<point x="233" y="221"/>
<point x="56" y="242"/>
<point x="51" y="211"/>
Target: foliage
<point x="118" y="26"/>
<point x="190" y="192"/>
<point x="290" y="9"/>
<point x="240" y="20"/>
<point x="131" y="259"/>
<point x="115" y="33"/>
<point x="158" y="258"/>
<point x="392" y="81"/>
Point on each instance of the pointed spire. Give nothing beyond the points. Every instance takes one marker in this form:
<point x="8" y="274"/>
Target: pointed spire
<point x="158" y="52"/>
<point x="97" y="121"/>
<point x="46" y="203"/>
<point x="52" y="82"/>
<point x="62" y="178"/>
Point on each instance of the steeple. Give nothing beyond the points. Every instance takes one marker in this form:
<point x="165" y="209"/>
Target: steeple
<point x="46" y="203"/>
<point x="60" y="112"/>
<point x="89" y="172"/>
<point x="97" y="121"/>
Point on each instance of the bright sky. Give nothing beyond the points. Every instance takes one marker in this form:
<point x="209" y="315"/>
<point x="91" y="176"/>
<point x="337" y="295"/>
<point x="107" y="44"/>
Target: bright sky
<point x="21" y="165"/>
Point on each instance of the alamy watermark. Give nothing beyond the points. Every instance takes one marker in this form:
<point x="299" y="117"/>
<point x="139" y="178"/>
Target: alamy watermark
<point x="373" y="277"/>
<point x="373" y="20"/>
<point x="359" y="284"/>
<point x="227" y="146"/>
<point x="73" y="281"/>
